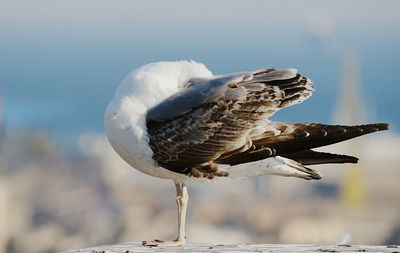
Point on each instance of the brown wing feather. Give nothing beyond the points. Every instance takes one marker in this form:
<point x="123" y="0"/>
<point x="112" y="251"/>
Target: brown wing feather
<point x="310" y="135"/>
<point x="295" y="140"/>
<point x="191" y="142"/>
<point x="311" y="157"/>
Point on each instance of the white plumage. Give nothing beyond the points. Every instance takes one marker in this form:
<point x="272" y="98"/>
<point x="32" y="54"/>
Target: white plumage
<point x="125" y="117"/>
<point x="143" y="88"/>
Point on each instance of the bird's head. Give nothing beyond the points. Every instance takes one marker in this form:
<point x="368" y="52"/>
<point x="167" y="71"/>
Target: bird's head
<point x="154" y="82"/>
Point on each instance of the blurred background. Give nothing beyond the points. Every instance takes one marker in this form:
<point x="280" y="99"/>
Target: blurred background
<point x="63" y="187"/>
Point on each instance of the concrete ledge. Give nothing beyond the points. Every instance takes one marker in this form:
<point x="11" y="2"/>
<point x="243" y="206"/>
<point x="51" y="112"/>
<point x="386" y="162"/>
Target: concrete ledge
<point x="204" y="247"/>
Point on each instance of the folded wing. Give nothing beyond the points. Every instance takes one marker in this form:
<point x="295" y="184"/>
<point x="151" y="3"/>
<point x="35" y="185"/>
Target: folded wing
<point x="212" y="121"/>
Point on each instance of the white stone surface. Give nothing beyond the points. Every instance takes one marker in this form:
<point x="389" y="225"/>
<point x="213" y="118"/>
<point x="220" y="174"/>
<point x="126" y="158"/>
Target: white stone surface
<point x="204" y="247"/>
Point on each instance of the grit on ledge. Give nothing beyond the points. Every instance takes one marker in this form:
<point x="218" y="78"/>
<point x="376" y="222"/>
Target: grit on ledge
<point x="204" y="247"/>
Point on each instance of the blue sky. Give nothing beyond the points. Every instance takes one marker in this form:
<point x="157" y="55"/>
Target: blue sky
<point x="61" y="61"/>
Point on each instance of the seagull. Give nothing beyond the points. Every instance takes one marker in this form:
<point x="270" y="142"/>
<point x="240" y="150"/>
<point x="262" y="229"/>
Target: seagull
<point x="177" y="121"/>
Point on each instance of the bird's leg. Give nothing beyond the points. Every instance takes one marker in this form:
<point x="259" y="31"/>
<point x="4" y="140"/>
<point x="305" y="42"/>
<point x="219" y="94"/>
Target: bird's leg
<point x="182" y="199"/>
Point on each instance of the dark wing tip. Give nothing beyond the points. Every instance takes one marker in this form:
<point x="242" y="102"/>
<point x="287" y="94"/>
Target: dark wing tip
<point x="382" y="126"/>
<point x="311" y="157"/>
<point x="345" y="159"/>
<point x="351" y="159"/>
<point x="370" y="128"/>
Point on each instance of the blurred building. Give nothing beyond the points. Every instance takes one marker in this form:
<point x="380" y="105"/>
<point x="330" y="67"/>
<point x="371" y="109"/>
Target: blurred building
<point x="50" y="201"/>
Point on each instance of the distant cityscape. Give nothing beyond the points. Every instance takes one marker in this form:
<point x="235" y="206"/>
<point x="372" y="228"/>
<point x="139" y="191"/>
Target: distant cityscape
<point x="53" y="200"/>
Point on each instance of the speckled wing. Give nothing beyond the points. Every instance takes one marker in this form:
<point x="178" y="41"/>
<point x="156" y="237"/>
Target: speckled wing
<point x="295" y="141"/>
<point x="217" y="118"/>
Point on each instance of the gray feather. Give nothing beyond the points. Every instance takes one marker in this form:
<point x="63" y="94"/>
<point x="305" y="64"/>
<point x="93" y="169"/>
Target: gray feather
<point x="191" y="97"/>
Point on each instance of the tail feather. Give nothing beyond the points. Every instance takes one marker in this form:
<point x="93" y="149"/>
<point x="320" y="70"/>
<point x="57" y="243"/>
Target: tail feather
<point x="298" y="170"/>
